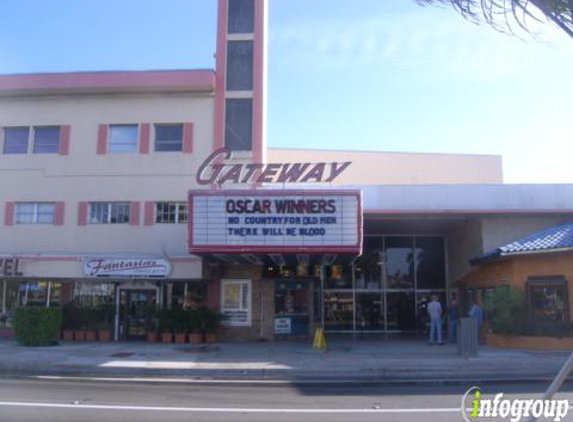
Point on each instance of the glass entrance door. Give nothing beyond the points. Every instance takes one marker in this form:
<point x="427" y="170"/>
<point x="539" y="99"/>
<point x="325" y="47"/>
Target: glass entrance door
<point x="136" y="313"/>
<point x="387" y="288"/>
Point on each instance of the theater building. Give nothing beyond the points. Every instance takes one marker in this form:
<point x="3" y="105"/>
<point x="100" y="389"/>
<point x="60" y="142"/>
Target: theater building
<point x="142" y="189"/>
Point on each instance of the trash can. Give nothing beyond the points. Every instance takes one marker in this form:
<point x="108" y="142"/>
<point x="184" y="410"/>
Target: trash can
<point x="467" y="337"/>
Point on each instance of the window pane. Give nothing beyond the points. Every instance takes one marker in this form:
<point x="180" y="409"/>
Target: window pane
<point x="239" y="125"/>
<point x="99" y="213"/>
<point x="25" y="213"/>
<point x="240" y="66"/>
<point x="430" y="266"/>
<point x="119" y="214"/>
<point x="122" y="138"/>
<point x="46" y="213"/>
<point x="369" y="265"/>
<point x="548" y="302"/>
<point x="241" y="16"/>
<point x="245" y="295"/>
<point x="400" y="262"/>
<point x="16" y="140"/>
<point x="170" y="213"/>
<point x="168" y="137"/>
<point x="232" y="296"/>
<point x="182" y="218"/>
<point x="46" y="140"/>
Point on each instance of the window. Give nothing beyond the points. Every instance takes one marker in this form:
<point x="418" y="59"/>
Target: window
<point x="169" y="137"/>
<point x="109" y="213"/>
<point x="16" y="140"/>
<point x="35" y="212"/>
<point x="122" y="138"/>
<point x="241" y="16"/>
<point x="46" y="140"/>
<point x="236" y="302"/>
<point x="171" y="212"/>
<point x="547" y="299"/>
<point x="239" y="124"/>
<point x="40" y="293"/>
<point x="240" y="65"/>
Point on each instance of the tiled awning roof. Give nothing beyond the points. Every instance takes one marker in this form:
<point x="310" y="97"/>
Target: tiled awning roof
<point x="556" y="238"/>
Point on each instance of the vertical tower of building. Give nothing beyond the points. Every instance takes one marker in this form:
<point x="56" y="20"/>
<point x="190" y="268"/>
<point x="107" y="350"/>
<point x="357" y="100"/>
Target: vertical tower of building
<point x="240" y="98"/>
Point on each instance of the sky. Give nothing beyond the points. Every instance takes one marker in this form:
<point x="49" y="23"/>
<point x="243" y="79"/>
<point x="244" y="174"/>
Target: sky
<point x="373" y="75"/>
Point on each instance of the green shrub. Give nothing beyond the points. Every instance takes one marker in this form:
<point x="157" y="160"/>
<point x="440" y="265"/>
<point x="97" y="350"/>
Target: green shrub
<point x="38" y="326"/>
<point x="507" y="309"/>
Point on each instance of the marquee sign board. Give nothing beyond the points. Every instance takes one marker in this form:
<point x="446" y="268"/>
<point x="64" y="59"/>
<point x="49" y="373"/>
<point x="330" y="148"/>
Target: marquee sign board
<point x="129" y="268"/>
<point x="275" y="221"/>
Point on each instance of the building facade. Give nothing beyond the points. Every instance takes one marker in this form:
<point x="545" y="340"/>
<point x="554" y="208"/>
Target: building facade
<point x="108" y="178"/>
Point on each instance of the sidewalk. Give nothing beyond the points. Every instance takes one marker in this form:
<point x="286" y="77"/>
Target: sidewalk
<point x="347" y="359"/>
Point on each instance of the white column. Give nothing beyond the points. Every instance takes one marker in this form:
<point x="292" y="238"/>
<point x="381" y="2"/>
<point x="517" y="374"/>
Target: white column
<point x="116" y="322"/>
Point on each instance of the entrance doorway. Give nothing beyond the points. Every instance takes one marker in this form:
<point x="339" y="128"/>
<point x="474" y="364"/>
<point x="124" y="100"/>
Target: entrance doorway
<point x="136" y="313"/>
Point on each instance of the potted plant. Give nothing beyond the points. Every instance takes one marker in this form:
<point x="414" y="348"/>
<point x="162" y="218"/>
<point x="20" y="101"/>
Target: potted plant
<point x="180" y="325"/>
<point x="194" y="329"/>
<point x="151" y="315"/>
<point x="82" y="320"/>
<point x="210" y="324"/>
<point x="69" y="321"/>
<point x="92" y="323"/>
<point x="164" y="320"/>
<point x="105" y="326"/>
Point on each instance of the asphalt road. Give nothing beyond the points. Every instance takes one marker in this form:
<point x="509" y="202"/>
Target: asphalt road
<point x="31" y="399"/>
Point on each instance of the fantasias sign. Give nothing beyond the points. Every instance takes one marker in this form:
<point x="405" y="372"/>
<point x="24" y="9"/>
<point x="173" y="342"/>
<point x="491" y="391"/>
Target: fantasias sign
<point x="99" y="267"/>
<point x="215" y="171"/>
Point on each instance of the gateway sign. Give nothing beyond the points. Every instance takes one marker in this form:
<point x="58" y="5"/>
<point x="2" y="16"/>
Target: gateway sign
<point x="131" y="268"/>
<point x="275" y="221"/>
<point x="215" y="171"/>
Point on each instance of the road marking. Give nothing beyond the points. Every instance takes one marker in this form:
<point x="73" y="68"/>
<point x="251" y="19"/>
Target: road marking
<point x="165" y="380"/>
<point x="221" y="409"/>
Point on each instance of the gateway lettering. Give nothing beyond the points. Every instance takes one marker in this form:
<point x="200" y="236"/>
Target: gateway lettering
<point x="222" y="173"/>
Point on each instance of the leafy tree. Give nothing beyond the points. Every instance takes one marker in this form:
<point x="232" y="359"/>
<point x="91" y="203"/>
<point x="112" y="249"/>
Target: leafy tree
<point x="503" y="15"/>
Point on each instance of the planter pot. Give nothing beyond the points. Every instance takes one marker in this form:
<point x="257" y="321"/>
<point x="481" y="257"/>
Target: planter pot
<point x="166" y="338"/>
<point x="151" y="337"/>
<point x="80" y="335"/>
<point x="196" y="338"/>
<point x="529" y="342"/>
<point x="90" y="335"/>
<point x="180" y="338"/>
<point x="211" y="338"/>
<point x="104" y="335"/>
<point x="67" y="335"/>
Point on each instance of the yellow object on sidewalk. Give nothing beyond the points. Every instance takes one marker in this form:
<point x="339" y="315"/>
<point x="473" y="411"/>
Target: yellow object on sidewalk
<point x="319" y="339"/>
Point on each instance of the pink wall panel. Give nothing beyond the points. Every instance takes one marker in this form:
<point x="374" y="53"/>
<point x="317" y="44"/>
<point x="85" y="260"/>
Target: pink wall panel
<point x="101" y="139"/>
<point x="144" y="138"/>
<point x="188" y="138"/>
<point x="59" y="217"/>
<point x="64" y="140"/>
<point x="148" y="218"/>
<point x="134" y="213"/>
<point x="82" y="213"/>
<point x="9" y="214"/>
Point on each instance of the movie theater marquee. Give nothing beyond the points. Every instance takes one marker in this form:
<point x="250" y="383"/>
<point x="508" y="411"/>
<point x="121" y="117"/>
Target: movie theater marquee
<point x="275" y="221"/>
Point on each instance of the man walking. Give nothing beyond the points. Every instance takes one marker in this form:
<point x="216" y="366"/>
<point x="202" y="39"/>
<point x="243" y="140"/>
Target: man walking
<point x="435" y="312"/>
<point x="476" y="312"/>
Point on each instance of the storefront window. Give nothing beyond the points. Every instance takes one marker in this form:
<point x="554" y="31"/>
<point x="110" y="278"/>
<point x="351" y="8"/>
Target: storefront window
<point x="401" y="311"/>
<point x="236" y="302"/>
<point x="92" y="294"/>
<point x="430" y="265"/>
<point x="39" y="293"/>
<point x="400" y="262"/>
<point x="369" y="266"/>
<point x="370" y="311"/>
<point x="188" y="295"/>
<point x="9" y="303"/>
<point x="338" y="277"/>
<point x="547" y="300"/>
<point x="338" y="311"/>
